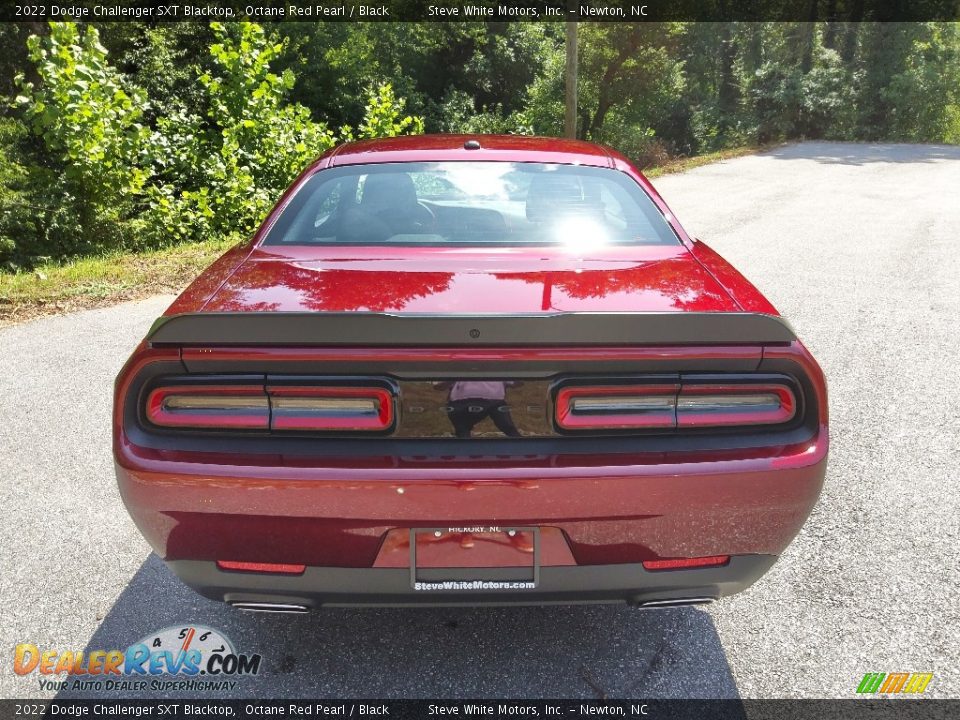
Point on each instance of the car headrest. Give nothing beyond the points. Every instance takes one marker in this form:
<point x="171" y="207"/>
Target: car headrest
<point x="553" y="194"/>
<point x="388" y="191"/>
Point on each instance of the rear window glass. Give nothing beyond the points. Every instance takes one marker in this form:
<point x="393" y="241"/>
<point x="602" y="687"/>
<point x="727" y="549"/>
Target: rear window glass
<point x="471" y="203"/>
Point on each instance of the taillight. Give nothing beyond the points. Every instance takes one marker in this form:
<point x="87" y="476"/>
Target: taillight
<point x="616" y="407"/>
<point x="665" y="406"/>
<point x="723" y="405"/>
<point x="209" y="406"/>
<point x="353" y="409"/>
<point x="319" y="408"/>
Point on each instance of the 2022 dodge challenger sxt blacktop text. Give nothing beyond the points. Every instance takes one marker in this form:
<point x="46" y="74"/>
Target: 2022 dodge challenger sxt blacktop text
<point x="471" y="370"/>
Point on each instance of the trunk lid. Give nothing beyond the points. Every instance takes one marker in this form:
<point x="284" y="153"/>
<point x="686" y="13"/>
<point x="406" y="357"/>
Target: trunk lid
<point x="470" y="281"/>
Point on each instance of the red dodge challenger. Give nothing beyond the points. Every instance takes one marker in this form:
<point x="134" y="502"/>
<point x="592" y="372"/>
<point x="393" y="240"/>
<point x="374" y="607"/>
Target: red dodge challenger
<point x="470" y="370"/>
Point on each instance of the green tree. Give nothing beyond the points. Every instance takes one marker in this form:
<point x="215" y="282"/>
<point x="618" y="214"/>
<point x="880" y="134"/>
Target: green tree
<point x="923" y="98"/>
<point x="83" y="111"/>
<point x="629" y="80"/>
<point x="95" y="152"/>
<point x="164" y="59"/>
<point x="223" y="172"/>
<point x="433" y="65"/>
<point x="384" y="115"/>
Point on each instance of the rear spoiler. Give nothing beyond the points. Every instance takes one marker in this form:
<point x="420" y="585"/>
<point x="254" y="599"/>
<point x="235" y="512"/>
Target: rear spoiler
<point x="411" y="329"/>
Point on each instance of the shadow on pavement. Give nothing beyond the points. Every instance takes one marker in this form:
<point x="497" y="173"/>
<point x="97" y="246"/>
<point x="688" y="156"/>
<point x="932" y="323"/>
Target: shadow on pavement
<point x="863" y="154"/>
<point x="588" y="652"/>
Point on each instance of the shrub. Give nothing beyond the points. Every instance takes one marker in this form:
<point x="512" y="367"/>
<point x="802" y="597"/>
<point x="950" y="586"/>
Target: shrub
<point x="84" y="113"/>
<point x="221" y="174"/>
<point x="96" y="149"/>
<point x="461" y="116"/>
<point x="96" y="177"/>
<point x="384" y="116"/>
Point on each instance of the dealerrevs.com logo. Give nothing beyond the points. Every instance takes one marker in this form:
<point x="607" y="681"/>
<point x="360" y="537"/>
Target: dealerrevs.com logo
<point x="191" y="657"/>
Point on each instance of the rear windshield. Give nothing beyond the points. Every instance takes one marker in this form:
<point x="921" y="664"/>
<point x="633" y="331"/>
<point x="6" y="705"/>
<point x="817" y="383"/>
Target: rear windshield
<point x="471" y="203"/>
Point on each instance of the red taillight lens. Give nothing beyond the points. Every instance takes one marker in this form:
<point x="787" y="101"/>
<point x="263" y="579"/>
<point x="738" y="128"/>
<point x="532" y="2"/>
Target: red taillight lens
<point x="724" y="405"/>
<point x="354" y="409"/>
<point x="277" y="407"/>
<point x="209" y="406"/>
<point x="257" y="567"/>
<point x="616" y="407"/>
<point x="686" y="563"/>
<point x="666" y="406"/>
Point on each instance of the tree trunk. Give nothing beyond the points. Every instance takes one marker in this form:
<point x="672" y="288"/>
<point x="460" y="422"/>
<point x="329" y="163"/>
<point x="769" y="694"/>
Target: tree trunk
<point x="727" y="91"/>
<point x="808" y="35"/>
<point x="570" y="118"/>
<point x="850" y="36"/>
<point x="605" y="100"/>
<point x="832" y="28"/>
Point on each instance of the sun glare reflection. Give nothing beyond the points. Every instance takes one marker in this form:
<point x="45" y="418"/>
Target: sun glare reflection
<point x="579" y="234"/>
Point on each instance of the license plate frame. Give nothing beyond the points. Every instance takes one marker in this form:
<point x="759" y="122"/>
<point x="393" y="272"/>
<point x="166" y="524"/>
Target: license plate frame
<point x="469" y="574"/>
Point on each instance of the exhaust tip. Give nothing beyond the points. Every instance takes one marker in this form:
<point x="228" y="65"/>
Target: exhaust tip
<point x="268" y="607"/>
<point x="676" y="602"/>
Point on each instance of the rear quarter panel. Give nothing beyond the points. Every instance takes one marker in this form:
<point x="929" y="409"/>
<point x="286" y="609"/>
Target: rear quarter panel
<point x="740" y="289"/>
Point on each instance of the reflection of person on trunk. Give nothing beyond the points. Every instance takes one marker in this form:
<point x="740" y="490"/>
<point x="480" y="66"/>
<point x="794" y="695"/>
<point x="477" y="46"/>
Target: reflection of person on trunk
<point x="471" y="401"/>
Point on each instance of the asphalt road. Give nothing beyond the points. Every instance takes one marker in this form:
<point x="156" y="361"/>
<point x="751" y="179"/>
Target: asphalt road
<point x="856" y="244"/>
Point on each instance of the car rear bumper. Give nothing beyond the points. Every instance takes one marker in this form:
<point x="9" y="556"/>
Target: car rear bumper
<point x="599" y="524"/>
<point x="332" y="586"/>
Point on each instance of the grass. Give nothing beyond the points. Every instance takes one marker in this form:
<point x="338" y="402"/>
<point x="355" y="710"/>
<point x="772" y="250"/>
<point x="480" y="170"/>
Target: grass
<point x="104" y="280"/>
<point x="688" y="163"/>
<point x="97" y="281"/>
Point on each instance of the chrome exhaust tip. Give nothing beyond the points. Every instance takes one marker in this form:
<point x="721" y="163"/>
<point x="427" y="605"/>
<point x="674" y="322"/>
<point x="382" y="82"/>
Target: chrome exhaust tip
<point x="268" y="607"/>
<point x="677" y="602"/>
